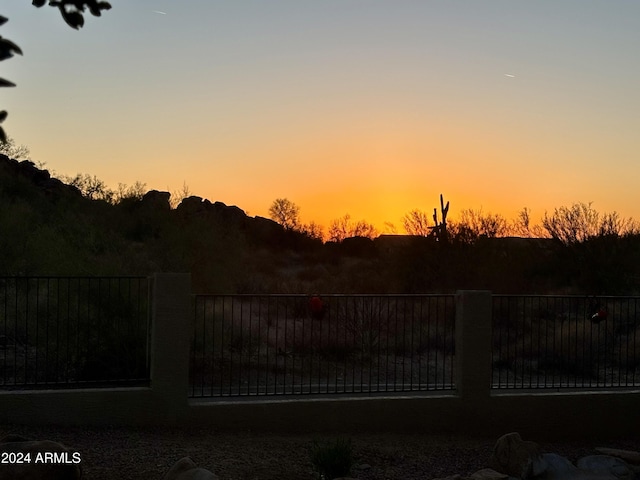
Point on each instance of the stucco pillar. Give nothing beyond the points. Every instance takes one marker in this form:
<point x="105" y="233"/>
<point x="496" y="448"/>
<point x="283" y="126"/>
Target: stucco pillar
<point x="473" y="345"/>
<point x="170" y="341"/>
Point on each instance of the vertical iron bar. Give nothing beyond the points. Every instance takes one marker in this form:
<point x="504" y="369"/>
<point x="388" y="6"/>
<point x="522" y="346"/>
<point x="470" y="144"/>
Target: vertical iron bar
<point x="223" y="325"/>
<point x="193" y="367"/>
<point x="523" y="345"/>
<point x="539" y="351"/>
<point x="545" y="359"/>
<point x="283" y="348"/>
<point x="412" y="344"/>
<point x="635" y="339"/>
<point x="387" y="353"/>
<point x="37" y="339"/>
<point x="439" y="347"/>
<point x="258" y="343"/>
<point x="26" y="343"/>
<point x="395" y="348"/>
<point x="595" y="344"/>
<point x="267" y="370"/>
<point x="421" y="345"/>
<point x="5" y="329"/>
<point x="5" y="337"/>
<point x="587" y="352"/>
<point x="58" y="342"/>
<point x="310" y="349"/>
<point x="231" y="342"/>
<point x="47" y="356"/>
<point x="511" y="322"/>
<point x="366" y="332"/>
<point x="307" y="343"/>
<point x="282" y="303"/>
<point x="450" y="309"/>
<point x="15" y="340"/>
<point x="357" y="324"/>
<point x="404" y="341"/>
<point x="241" y="346"/>
<point x="428" y="342"/>
<point x="628" y="328"/>
<point x="500" y="326"/>
<point x="337" y="344"/>
<point x="204" y="363"/>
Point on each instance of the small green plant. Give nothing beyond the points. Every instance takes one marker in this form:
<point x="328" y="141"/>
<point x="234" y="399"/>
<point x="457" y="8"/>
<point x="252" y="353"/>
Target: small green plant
<point x="332" y="460"/>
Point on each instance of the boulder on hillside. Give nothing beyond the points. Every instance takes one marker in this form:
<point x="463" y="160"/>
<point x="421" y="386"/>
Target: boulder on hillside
<point x="190" y="206"/>
<point x="266" y="228"/>
<point x="41" y="179"/>
<point x="156" y="200"/>
<point x="231" y="214"/>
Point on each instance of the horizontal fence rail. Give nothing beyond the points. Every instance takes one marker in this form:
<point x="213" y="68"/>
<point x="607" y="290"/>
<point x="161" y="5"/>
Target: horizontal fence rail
<point x="66" y="332"/>
<point x="247" y="345"/>
<point x="565" y="342"/>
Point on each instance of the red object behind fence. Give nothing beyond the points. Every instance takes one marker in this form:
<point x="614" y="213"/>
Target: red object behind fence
<point x="316" y="307"/>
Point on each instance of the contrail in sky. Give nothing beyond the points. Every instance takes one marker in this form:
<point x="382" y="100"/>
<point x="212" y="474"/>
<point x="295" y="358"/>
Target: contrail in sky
<point x="509" y="75"/>
<point x="159" y="12"/>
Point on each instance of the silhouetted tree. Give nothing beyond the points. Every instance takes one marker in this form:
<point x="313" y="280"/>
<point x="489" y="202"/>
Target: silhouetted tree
<point x="11" y="150"/>
<point x="522" y="226"/>
<point x="581" y="222"/>
<point x="72" y="12"/>
<point x="342" y="228"/>
<point x="125" y="192"/>
<point x="416" y="222"/>
<point x="179" y="195"/>
<point x="286" y="213"/>
<point x="312" y="230"/>
<point x="389" y="227"/>
<point x="475" y="223"/>
<point x="91" y="187"/>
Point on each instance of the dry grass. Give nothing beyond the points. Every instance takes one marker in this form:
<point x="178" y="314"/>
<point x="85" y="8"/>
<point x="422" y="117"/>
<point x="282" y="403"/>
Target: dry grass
<point x="368" y="336"/>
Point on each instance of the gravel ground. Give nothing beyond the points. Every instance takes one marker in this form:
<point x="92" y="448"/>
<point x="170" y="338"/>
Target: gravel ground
<point x="137" y="454"/>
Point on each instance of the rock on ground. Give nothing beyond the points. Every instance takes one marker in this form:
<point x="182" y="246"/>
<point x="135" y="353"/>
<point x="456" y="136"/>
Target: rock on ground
<point x="517" y="458"/>
<point x="606" y="465"/>
<point x="186" y="469"/>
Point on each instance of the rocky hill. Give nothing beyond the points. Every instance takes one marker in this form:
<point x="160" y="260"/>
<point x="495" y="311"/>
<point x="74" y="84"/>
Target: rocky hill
<point x="49" y="228"/>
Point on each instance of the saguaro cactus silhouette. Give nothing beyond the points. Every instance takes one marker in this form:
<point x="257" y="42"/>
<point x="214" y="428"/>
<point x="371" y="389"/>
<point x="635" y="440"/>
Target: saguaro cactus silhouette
<point x="440" y="229"/>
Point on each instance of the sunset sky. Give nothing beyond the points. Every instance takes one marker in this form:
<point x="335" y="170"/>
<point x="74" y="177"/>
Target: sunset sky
<point x="366" y="107"/>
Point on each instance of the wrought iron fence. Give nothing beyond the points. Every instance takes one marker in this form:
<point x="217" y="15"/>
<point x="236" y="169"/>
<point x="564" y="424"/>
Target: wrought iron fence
<point x="565" y="342"/>
<point x="248" y="345"/>
<point x="73" y="331"/>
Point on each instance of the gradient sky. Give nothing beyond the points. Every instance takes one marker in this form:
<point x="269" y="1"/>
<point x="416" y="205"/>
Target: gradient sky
<point x="366" y="107"/>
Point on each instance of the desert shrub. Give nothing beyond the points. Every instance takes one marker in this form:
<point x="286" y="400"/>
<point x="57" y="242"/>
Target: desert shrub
<point x="579" y="348"/>
<point x="115" y="358"/>
<point x="241" y="340"/>
<point x="332" y="460"/>
<point x="363" y="319"/>
<point x="337" y="351"/>
<point x="431" y="336"/>
<point x="627" y="351"/>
